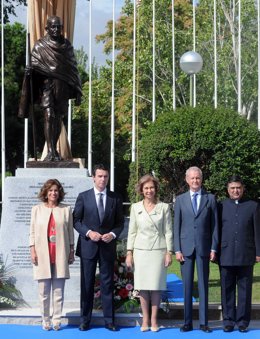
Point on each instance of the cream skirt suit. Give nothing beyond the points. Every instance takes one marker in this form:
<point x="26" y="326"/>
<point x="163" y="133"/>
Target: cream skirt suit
<point x="150" y="236"/>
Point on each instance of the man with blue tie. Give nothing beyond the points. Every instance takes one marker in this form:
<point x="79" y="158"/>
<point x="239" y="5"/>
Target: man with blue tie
<point x="195" y="241"/>
<point x="98" y="218"/>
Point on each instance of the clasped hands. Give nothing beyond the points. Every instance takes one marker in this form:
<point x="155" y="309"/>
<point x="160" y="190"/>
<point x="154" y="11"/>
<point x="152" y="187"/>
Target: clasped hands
<point x="95" y="236"/>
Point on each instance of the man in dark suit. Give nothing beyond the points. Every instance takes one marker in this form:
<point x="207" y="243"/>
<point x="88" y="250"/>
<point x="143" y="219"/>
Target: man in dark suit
<point x="195" y="240"/>
<point x="240" y="249"/>
<point x="98" y="218"/>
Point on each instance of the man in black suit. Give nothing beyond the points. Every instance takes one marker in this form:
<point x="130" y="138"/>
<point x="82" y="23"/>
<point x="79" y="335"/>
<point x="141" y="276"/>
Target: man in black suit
<point x="98" y="218"/>
<point x="195" y="240"/>
<point x="240" y="249"/>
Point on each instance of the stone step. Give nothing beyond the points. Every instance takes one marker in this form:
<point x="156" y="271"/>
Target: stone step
<point x="168" y="314"/>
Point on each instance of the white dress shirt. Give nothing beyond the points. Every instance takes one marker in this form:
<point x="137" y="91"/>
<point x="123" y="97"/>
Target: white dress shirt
<point x="104" y="193"/>
<point x="198" y="197"/>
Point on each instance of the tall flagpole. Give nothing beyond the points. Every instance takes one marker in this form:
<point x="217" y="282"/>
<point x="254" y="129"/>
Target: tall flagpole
<point x="134" y="88"/>
<point x="90" y="91"/>
<point x="112" y="156"/>
<point x="26" y="121"/>
<point x="258" y="45"/>
<point x="215" y="57"/>
<point x="194" y="49"/>
<point x="153" y="113"/>
<point x="173" y="61"/>
<point x="3" y="101"/>
<point x="239" y="60"/>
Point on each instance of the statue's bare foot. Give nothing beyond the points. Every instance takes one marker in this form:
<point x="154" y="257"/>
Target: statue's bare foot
<point x="57" y="157"/>
<point x="49" y="157"/>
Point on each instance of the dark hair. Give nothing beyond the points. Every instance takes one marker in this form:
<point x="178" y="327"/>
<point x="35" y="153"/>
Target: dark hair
<point x="235" y="178"/>
<point x="99" y="167"/>
<point x="143" y="180"/>
<point x="46" y="187"/>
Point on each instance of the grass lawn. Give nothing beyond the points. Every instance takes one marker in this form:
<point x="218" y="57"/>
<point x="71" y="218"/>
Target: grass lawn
<point x="214" y="282"/>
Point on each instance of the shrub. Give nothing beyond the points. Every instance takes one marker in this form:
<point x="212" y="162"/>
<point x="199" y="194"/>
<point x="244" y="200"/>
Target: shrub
<point x="10" y="297"/>
<point x="219" y="141"/>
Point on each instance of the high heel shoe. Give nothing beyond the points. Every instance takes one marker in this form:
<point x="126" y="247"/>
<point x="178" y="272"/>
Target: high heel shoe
<point x="155" y="328"/>
<point x="56" y="327"/>
<point x="144" y="328"/>
<point x="46" y="326"/>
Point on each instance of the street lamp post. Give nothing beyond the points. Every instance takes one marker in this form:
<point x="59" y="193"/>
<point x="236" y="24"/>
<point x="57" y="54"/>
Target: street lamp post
<point x="191" y="63"/>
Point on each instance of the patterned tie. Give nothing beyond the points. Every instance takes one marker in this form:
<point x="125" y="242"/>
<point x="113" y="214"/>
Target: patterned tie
<point x="101" y="210"/>
<point x="194" y="203"/>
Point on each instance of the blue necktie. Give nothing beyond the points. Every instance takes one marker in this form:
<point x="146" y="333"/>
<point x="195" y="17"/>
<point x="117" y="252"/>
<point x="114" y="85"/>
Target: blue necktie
<point x="194" y="203"/>
<point x="101" y="210"/>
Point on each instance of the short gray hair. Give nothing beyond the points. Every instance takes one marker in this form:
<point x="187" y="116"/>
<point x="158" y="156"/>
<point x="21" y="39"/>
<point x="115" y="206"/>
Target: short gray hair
<point x="194" y="168"/>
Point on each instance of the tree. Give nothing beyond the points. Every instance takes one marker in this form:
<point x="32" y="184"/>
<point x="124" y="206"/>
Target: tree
<point x="219" y="141"/>
<point x="227" y="54"/>
<point x="123" y="70"/>
<point x="227" y="60"/>
<point x="227" y="51"/>
<point x="82" y="59"/>
<point x="124" y="63"/>
<point x="9" y="8"/>
<point x="101" y="128"/>
<point x="14" y="55"/>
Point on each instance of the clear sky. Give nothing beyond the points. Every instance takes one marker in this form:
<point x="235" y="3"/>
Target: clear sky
<point x="101" y="14"/>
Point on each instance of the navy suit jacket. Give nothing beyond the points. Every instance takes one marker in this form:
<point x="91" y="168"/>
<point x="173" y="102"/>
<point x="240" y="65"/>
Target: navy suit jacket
<point x="239" y="232"/>
<point x="86" y="219"/>
<point x="199" y="231"/>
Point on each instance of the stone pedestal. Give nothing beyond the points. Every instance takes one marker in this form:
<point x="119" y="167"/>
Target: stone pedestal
<point x="20" y="195"/>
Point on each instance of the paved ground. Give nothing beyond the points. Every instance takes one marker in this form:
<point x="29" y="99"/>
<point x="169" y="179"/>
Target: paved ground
<point x="173" y="318"/>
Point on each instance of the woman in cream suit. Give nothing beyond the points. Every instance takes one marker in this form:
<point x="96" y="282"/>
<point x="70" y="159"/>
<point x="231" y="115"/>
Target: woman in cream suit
<point x="149" y="248"/>
<point x="52" y="250"/>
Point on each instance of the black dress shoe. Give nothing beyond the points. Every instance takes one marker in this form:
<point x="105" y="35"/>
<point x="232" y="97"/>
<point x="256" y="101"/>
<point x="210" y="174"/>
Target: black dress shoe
<point x="83" y="327"/>
<point x="242" y="329"/>
<point x="186" y="328"/>
<point x="228" y="328"/>
<point x="111" y="327"/>
<point x="205" y="328"/>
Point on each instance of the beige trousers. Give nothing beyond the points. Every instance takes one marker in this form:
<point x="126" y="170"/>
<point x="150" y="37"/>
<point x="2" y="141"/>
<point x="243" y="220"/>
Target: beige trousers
<point x="55" y="287"/>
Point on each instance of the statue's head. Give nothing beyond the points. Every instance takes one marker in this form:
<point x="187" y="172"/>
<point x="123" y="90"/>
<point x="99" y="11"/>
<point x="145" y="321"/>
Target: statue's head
<point x="54" y="26"/>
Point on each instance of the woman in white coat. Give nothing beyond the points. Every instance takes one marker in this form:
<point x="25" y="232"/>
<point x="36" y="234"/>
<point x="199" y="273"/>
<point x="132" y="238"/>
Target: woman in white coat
<point x="52" y="250"/>
<point x="149" y="248"/>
